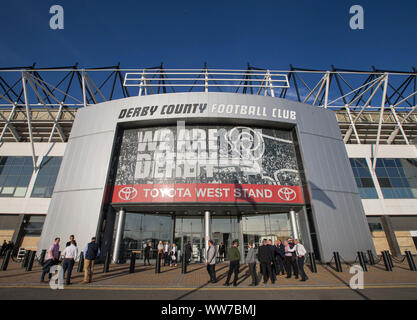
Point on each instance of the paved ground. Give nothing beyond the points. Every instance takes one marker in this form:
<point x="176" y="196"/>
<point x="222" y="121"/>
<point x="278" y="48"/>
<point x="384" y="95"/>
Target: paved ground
<point x="118" y="283"/>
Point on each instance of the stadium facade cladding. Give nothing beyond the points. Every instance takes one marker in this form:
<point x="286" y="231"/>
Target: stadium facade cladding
<point x="252" y="155"/>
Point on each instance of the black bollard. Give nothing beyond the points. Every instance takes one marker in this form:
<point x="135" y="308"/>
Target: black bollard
<point x="32" y="256"/>
<point x="6" y="260"/>
<point x="386" y="261"/>
<point x="362" y="261"/>
<point x="132" y="262"/>
<point x="42" y="257"/>
<point x="107" y="262"/>
<point x="183" y="264"/>
<point x="158" y="263"/>
<point x="312" y="262"/>
<point x="410" y="261"/>
<point x="25" y="259"/>
<point x="389" y="259"/>
<point x="371" y="258"/>
<point x="81" y="263"/>
<point x="337" y="261"/>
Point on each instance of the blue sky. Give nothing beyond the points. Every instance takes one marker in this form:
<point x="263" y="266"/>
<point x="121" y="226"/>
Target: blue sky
<point x="226" y="34"/>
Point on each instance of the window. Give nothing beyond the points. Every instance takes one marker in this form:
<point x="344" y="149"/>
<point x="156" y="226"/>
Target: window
<point x="363" y="178"/>
<point x="34" y="225"/>
<point x="15" y="175"/>
<point x="397" y="178"/>
<point x="374" y="224"/>
<point x="45" y="181"/>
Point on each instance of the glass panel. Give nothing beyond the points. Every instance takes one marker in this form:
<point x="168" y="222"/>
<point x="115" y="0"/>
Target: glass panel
<point x="389" y="162"/>
<point x="266" y="226"/>
<point x="381" y="172"/>
<point x="141" y="229"/>
<point x="15" y="175"/>
<point x="46" y="179"/>
<point x="20" y="192"/>
<point x="393" y="172"/>
<point x="388" y="193"/>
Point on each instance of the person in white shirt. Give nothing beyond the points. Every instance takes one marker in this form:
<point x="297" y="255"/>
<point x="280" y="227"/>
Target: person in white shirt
<point x="70" y="254"/>
<point x="300" y="252"/>
<point x="173" y="255"/>
<point x="290" y="259"/>
<point x="166" y="253"/>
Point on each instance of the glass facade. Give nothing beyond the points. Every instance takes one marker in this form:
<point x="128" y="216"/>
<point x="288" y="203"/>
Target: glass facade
<point x="45" y="181"/>
<point x="397" y="178"/>
<point x="141" y="229"/>
<point x="363" y="178"/>
<point x="266" y="226"/>
<point x="15" y="175"/>
<point x="35" y="225"/>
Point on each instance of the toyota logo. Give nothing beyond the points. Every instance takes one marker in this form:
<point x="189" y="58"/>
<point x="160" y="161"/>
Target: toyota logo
<point x="128" y="193"/>
<point x="287" y="194"/>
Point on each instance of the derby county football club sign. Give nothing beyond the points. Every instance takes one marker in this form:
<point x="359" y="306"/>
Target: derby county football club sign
<point x="207" y="164"/>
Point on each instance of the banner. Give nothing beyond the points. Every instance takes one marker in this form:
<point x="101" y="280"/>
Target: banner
<point x="207" y="164"/>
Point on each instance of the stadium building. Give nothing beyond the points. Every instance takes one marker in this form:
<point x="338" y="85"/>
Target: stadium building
<point x="138" y="156"/>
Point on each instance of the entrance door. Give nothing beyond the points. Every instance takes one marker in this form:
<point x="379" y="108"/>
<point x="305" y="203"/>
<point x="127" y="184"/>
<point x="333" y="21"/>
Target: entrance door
<point x="190" y="229"/>
<point x="224" y="230"/>
<point x="266" y="226"/>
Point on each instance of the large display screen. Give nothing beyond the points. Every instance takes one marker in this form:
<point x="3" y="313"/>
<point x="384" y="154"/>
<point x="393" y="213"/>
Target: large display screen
<point x="207" y="164"/>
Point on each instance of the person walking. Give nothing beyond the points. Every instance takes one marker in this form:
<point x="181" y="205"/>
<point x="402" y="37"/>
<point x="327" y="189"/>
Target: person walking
<point x="51" y="259"/>
<point x="211" y="261"/>
<point x="279" y="257"/>
<point x="173" y="255"/>
<point x="233" y="255"/>
<point x="70" y="254"/>
<point x="91" y="253"/>
<point x="266" y="260"/>
<point x="147" y="253"/>
<point x="251" y="262"/>
<point x="300" y="252"/>
<point x="71" y="239"/>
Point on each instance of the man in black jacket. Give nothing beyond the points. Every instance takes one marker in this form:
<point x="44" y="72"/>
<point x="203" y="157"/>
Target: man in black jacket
<point x="265" y="258"/>
<point x="71" y="239"/>
<point x="279" y="257"/>
<point x="188" y="252"/>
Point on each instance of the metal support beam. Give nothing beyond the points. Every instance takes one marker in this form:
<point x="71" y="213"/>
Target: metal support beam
<point x="381" y="115"/>
<point x="9" y="125"/>
<point x="119" y="235"/>
<point x="399" y="127"/>
<point x="207" y="234"/>
<point x="293" y="221"/>
<point x="24" y="76"/>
